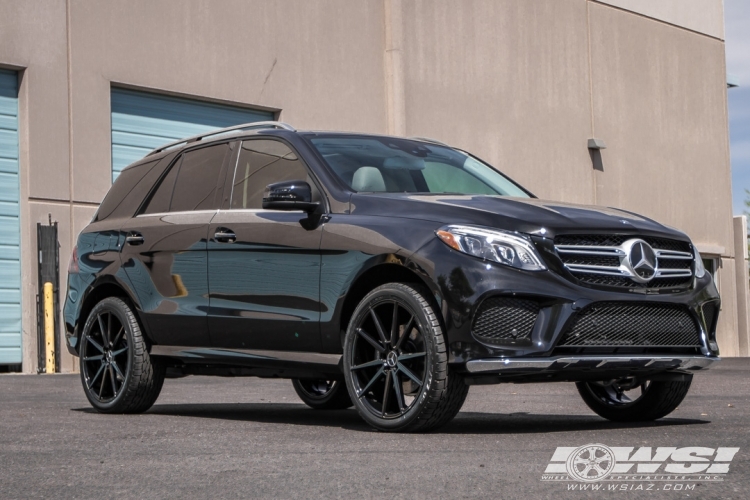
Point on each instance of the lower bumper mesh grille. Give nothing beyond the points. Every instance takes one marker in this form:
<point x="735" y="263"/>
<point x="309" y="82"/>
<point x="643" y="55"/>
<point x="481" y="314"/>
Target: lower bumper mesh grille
<point x="613" y="324"/>
<point x="500" y="318"/>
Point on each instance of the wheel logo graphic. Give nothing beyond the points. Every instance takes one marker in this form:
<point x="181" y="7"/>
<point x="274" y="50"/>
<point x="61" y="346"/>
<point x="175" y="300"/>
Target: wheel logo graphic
<point x="592" y="462"/>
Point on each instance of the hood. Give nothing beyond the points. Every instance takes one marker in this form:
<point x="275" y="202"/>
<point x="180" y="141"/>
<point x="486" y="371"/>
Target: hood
<point x="526" y="215"/>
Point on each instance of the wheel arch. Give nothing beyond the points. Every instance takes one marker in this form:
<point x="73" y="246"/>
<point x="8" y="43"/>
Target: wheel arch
<point x="388" y="270"/>
<point x="100" y="289"/>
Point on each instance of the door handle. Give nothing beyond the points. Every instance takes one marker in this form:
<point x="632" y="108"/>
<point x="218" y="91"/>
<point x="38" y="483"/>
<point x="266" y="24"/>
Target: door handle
<point x="224" y="235"/>
<point x="134" y="239"/>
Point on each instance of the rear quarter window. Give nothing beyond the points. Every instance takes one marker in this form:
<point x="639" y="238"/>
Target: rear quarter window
<point x="127" y="192"/>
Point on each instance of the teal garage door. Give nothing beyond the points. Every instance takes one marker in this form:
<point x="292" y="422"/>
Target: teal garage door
<point x="143" y="121"/>
<point x="10" y="228"/>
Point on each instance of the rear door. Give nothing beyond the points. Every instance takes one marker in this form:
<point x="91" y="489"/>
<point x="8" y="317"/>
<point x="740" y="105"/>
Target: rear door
<point x="264" y="265"/>
<point x="164" y="254"/>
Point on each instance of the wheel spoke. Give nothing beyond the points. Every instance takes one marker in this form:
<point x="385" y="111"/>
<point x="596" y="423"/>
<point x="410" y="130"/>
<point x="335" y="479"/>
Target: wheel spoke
<point x="98" y="357"/>
<point x="411" y="355"/>
<point x="407" y="329"/>
<point x="394" y="324"/>
<point x="397" y="388"/>
<point x="103" y="330"/>
<point x="99" y="372"/>
<point x="95" y="344"/>
<point x="369" y="364"/>
<point x="118" y="336"/>
<point x="409" y="374"/>
<point x="372" y="381"/>
<point x="620" y="395"/>
<point x="386" y="393"/>
<point x="378" y="326"/>
<point x="371" y="341"/>
<point x="117" y="370"/>
<point x="109" y="329"/>
<point x="118" y="352"/>
<point x="112" y="380"/>
<point x="101" y="387"/>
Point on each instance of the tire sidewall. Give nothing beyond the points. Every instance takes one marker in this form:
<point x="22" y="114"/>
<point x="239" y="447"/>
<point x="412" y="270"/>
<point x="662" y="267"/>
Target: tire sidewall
<point x="386" y="293"/>
<point x="119" y="309"/>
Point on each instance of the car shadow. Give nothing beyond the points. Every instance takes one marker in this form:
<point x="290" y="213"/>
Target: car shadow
<point x="464" y="423"/>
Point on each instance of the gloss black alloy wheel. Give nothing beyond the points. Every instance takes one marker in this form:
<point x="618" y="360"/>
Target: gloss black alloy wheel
<point x="322" y="394"/>
<point x="633" y="400"/>
<point x="395" y="362"/>
<point x="117" y="373"/>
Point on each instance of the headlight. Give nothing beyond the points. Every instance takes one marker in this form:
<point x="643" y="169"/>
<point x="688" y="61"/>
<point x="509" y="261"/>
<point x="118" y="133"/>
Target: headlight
<point x="700" y="271"/>
<point x="491" y="244"/>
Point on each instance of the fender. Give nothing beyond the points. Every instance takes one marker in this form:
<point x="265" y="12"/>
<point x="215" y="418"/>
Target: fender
<point x="102" y="286"/>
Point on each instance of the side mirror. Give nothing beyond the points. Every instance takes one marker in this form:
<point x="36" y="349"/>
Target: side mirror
<point x="289" y="195"/>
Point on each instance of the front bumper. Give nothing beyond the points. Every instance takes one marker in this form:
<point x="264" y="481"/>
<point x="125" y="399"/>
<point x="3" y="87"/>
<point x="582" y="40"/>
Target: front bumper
<point x="465" y="282"/>
<point x="592" y="363"/>
<point x="581" y="368"/>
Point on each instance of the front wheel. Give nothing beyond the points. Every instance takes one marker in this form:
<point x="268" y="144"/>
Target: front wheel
<point x="395" y="362"/>
<point x="117" y="372"/>
<point x="322" y="394"/>
<point x="631" y="400"/>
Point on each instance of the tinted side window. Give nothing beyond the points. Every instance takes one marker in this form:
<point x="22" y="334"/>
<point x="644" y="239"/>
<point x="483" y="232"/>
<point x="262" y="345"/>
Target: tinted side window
<point x="162" y="197"/>
<point x="262" y="162"/>
<point x="123" y="186"/>
<point x="192" y="182"/>
<point x="197" y="183"/>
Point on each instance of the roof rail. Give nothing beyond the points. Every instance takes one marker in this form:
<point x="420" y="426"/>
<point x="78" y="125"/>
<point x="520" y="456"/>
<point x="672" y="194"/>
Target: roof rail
<point x="244" y="126"/>
<point x="427" y="139"/>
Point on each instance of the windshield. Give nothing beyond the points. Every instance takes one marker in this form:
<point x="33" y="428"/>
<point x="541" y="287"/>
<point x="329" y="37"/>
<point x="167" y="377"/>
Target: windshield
<point x="392" y="165"/>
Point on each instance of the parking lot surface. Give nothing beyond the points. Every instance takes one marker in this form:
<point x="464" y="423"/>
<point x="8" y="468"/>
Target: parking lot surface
<point x="253" y="438"/>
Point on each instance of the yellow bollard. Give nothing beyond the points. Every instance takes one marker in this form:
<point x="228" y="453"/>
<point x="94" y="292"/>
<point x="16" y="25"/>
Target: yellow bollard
<point x="49" y="328"/>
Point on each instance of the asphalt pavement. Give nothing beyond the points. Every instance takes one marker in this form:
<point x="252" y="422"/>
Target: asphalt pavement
<point x="252" y="438"/>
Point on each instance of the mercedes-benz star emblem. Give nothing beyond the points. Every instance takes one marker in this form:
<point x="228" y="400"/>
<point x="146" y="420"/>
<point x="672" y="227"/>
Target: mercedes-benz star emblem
<point x="642" y="260"/>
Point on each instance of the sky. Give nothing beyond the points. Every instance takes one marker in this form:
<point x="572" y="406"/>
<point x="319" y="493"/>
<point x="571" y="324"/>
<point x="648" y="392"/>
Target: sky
<point x="737" y="25"/>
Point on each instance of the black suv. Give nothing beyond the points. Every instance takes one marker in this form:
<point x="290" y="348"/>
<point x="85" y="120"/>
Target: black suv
<point x="380" y="272"/>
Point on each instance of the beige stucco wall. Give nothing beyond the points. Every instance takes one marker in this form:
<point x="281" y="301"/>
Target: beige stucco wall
<point x="320" y="62"/>
<point x="659" y="96"/>
<point x="33" y="40"/>
<point x="703" y="16"/>
<point x="508" y="81"/>
<point x="522" y="83"/>
<point x="741" y="279"/>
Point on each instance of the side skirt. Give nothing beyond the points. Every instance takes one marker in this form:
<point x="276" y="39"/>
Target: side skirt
<point x="248" y="363"/>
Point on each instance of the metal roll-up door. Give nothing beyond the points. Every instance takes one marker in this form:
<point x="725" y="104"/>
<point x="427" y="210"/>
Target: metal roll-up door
<point x="10" y="227"/>
<point x="143" y="121"/>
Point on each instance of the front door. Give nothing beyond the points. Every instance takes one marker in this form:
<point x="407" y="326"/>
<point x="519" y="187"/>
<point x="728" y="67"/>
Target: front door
<point x="165" y="250"/>
<point x="264" y="265"/>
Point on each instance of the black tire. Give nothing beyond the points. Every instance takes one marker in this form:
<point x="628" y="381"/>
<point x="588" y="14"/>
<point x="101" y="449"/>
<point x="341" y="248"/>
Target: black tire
<point x="657" y="399"/>
<point x="110" y="342"/>
<point x="410" y="362"/>
<point x="323" y="394"/>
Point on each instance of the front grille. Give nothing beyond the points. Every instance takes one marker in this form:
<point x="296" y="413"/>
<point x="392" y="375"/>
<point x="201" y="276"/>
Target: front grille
<point x="504" y="318"/>
<point x="599" y="260"/>
<point x="709" y="315"/>
<point x="615" y="324"/>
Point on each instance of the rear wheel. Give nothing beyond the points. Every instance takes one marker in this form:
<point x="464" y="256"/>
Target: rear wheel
<point x="322" y="394"/>
<point x="117" y="373"/>
<point x="395" y="362"/>
<point x="632" y="400"/>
